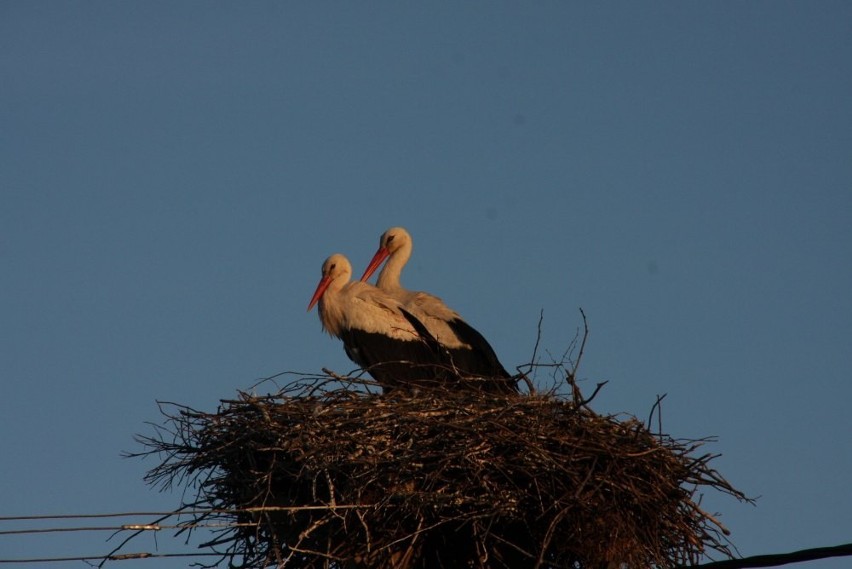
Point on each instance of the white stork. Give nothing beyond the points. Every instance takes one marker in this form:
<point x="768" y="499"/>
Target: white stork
<point x="471" y="353"/>
<point x="377" y="332"/>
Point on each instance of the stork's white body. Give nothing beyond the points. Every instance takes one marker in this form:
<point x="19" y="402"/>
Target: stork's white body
<point x="471" y="352"/>
<point x="377" y="333"/>
<point x="345" y="305"/>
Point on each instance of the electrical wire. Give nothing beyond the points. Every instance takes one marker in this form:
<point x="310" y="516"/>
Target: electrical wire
<point x="769" y="560"/>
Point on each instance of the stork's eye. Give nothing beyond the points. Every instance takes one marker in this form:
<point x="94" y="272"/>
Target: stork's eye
<point x="390" y="238"/>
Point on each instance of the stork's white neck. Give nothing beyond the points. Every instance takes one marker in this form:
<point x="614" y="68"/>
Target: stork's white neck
<point x="389" y="278"/>
<point x="331" y="305"/>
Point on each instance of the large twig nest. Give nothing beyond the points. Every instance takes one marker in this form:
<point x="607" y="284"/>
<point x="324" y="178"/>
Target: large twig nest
<point x="320" y="475"/>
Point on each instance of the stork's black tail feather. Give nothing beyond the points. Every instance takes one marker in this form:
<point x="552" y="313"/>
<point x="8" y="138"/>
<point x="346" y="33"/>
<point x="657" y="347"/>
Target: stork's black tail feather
<point x="425" y="335"/>
<point x="478" y="362"/>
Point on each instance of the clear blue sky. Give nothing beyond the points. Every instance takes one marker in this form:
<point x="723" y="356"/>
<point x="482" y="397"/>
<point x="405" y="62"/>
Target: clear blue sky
<point x="172" y="175"/>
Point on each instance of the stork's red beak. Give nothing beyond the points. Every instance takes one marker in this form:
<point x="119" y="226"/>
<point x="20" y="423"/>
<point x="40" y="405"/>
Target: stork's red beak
<point x="377" y="261"/>
<point x="323" y="284"/>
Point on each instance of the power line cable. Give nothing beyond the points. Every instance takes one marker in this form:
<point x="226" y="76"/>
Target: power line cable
<point x="118" y="557"/>
<point x="778" y="559"/>
<point x="259" y="509"/>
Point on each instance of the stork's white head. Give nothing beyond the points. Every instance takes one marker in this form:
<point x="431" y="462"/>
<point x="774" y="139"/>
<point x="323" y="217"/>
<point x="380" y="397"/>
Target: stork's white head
<point x="393" y="240"/>
<point x="335" y="269"/>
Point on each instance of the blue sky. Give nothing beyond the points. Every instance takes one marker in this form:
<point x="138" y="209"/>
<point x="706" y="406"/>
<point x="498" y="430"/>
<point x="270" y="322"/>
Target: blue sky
<point x="172" y="175"/>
